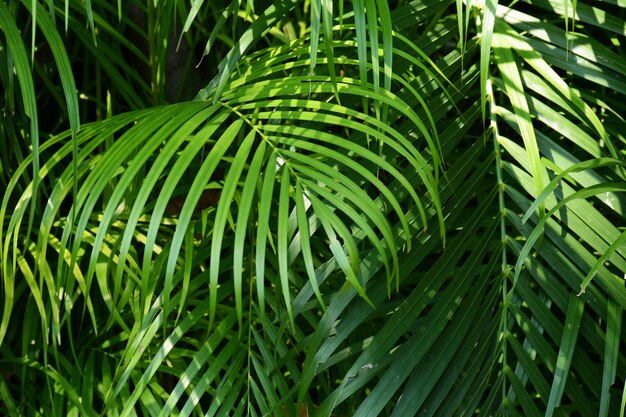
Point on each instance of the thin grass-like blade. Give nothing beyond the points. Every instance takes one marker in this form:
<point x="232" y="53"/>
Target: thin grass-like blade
<point x="575" y="310"/>
<point x="267" y="189"/>
<point x="489" y="17"/>
<point x="282" y="237"/>
<point x="22" y="68"/>
<point x="611" y="353"/>
<point x="248" y="194"/>
<point x="223" y="210"/>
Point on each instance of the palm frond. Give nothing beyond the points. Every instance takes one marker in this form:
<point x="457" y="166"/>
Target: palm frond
<point x="369" y="208"/>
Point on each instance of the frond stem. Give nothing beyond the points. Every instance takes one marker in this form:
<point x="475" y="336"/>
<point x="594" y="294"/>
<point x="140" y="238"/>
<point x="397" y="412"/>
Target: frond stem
<point x="493" y="125"/>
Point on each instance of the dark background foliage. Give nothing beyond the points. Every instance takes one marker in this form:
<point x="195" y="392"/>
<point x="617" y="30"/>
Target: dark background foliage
<point x="312" y="208"/>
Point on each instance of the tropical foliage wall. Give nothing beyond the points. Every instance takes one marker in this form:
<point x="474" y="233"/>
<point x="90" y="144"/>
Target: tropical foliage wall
<point x="348" y="208"/>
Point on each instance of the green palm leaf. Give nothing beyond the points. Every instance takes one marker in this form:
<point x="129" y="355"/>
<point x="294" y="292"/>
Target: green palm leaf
<point x="369" y="208"/>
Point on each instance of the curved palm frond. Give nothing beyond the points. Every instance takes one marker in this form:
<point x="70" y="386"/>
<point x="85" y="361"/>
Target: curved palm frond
<point x="384" y="208"/>
<point x="333" y="171"/>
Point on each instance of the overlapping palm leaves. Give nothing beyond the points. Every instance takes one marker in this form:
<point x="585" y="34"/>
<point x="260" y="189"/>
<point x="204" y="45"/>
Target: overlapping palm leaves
<point x="321" y="277"/>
